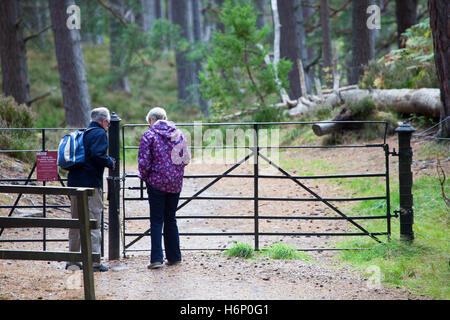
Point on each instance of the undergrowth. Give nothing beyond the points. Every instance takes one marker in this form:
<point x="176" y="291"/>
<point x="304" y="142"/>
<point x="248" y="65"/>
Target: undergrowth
<point x="277" y="251"/>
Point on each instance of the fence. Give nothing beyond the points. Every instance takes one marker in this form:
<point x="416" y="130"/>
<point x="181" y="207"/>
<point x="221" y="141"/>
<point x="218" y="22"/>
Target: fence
<point x="120" y="183"/>
<point x="83" y="224"/>
<point x="255" y="152"/>
<point x="37" y="140"/>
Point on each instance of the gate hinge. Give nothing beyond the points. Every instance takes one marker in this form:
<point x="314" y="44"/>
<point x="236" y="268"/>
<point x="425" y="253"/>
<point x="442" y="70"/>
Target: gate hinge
<point x="393" y="153"/>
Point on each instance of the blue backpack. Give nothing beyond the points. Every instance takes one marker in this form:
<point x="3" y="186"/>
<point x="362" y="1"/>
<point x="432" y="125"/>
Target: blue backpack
<point x="71" y="151"/>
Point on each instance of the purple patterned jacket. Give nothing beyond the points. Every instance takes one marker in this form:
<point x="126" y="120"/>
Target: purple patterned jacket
<point x="163" y="154"/>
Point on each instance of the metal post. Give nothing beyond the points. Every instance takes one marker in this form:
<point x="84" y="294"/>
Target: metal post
<point x="114" y="189"/>
<point x="255" y="181"/>
<point x="406" y="181"/>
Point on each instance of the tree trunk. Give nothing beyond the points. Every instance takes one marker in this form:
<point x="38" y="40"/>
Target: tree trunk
<point x="116" y="50"/>
<point x="440" y="26"/>
<point x="324" y="127"/>
<point x="261" y="19"/>
<point x="406" y="13"/>
<point x="363" y="39"/>
<point x="13" y="53"/>
<point x="421" y="101"/>
<point x="148" y="14"/>
<point x="197" y="23"/>
<point x="72" y="75"/>
<point x="292" y="40"/>
<point x="180" y="16"/>
<point x="327" y="49"/>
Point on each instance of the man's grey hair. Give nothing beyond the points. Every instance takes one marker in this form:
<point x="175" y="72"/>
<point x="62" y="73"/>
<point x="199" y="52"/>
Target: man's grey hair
<point x="100" y="114"/>
<point x="156" y="114"/>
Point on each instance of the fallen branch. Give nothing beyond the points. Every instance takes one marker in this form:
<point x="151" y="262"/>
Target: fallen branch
<point x="442" y="182"/>
<point x="37" y="34"/>
<point x="42" y="96"/>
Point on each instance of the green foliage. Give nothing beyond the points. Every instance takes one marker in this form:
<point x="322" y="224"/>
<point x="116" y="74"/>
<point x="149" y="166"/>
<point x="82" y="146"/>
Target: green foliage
<point x="235" y="75"/>
<point x="279" y="251"/>
<point x="363" y="109"/>
<point x="421" y="266"/>
<point x="411" y="67"/>
<point x="284" y="252"/>
<point x="240" y="250"/>
<point x="142" y="49"/>
<point x="13" y="115"/>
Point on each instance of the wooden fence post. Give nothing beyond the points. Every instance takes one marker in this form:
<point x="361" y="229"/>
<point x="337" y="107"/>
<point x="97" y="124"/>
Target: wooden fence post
<point x="86" y="244"/>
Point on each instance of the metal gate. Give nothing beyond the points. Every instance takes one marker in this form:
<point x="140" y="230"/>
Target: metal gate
<point x="136" y="226"/>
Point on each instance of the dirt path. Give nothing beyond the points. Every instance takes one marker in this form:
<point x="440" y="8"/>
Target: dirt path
<point x="209" y="274"/>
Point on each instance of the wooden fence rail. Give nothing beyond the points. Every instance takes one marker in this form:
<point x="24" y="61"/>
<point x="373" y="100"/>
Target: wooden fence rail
<point x="83" y="223"/>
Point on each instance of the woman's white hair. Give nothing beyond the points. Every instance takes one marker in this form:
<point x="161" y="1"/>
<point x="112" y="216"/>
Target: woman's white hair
<point x="100" y="114"/>
<point x="156" y="114"/>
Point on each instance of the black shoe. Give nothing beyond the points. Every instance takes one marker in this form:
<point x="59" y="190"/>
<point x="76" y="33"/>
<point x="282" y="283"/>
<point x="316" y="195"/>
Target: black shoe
<point x="74" y="266"/>
<point x="100" y="268"/>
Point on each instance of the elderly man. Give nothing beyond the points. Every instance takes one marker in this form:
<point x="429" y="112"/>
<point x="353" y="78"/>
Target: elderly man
<point x="90" y="174"/>
<point x="163" y="154"/>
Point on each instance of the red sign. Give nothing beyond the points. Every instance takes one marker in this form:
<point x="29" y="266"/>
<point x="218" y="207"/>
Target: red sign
<point x="46" y="166"/>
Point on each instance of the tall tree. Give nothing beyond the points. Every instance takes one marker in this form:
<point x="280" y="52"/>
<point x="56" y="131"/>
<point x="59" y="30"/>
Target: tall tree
<point x="292" y="40"/>
<point x="406" y="13"/>
<point x="363" y="39"/>
<point x="148" y="13"/>
<point x="261" y="19"/>
<point x="180" y="16"/>
<point x="327" y="49"/>
<point x="118" y="68"/>
<point x="440" y="26"/>
<point x="197" y="25"/>
<point x="72" y="74"/>
<point x="13" y="53"/>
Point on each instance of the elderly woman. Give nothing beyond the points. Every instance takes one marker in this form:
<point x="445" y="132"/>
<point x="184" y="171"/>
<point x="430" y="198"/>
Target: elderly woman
<point x="162" y="157"/>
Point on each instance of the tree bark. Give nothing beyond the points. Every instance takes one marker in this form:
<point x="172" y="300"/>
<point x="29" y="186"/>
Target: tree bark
<point x="327" y="49"/>
<point x="148" y="14"/>
<point x="292" y="40"/>
<point x="197" y="23"/>
<point x="116" y="50"/>
<point x="72" y="74"/>
<point x="180" y="16"/>
<point x="323" y="128"/>
<point x="406" y="14"/>
<point x="421" y="101"/>
<point x="261" y="19"/>
<point x="440" y="26"/>
<point x="363" y="39"/>
<point x="13" y="53"/>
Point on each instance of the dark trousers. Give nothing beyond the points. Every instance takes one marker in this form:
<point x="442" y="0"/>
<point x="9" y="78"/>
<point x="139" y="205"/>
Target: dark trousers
<point x="163" y="206"/>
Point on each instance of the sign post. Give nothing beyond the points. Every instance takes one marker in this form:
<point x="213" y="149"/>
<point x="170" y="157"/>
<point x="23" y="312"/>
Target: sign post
<point x="46" y="166"/>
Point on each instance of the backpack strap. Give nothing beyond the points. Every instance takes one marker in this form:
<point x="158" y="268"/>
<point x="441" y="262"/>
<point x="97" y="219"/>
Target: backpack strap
<point x="84" y="136"/>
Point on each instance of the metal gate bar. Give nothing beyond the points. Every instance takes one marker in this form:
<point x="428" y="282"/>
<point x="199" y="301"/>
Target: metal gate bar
<point x="255" y="152"/>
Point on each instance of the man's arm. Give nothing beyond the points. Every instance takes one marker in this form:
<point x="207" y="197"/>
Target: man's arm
<point x="99" y="149"/>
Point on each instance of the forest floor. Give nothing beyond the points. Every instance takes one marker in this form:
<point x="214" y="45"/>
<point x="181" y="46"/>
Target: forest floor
<point x="209" y="274"/>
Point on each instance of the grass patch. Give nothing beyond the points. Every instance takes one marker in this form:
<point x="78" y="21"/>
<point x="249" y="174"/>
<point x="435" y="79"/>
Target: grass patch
<point x="421" y="266"/>
<point x="284" y="252"/>
<point x="278" y="251"/>
<point x="241" y="250"/>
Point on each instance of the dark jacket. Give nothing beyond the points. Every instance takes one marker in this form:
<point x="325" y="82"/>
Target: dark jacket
<point x="90" y="174"/>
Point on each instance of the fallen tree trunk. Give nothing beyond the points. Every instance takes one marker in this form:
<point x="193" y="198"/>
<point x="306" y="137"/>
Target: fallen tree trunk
<point x="325" y="127"/>
<point x="421" y="101"/>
